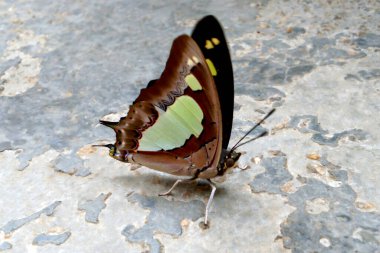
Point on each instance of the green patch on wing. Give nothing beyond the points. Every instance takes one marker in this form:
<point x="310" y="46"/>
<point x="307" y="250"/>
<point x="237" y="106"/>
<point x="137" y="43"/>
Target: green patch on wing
<point x="173" y="126"/>
<point x="192" y="81"/>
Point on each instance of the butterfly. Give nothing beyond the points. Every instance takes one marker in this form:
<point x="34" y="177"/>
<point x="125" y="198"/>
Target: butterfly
<point x="181" y="123"/>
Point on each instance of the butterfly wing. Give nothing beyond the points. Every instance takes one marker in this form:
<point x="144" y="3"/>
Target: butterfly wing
<point x="210" y="38"/>
<point x="175" y="125"/>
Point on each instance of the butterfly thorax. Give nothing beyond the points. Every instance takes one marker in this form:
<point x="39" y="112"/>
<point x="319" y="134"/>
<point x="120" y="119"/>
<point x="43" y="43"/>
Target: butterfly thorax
<point x="227" y="161"/>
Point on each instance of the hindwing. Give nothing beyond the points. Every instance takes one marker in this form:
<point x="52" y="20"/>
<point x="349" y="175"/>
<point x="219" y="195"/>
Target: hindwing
<point x="175" y="124"/>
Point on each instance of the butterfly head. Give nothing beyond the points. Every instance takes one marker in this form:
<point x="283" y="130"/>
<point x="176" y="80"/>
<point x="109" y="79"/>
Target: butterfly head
<point x="231" y="158"/>
<point x="228" y="161"/>
<point x="115" y="153"/>
<point x="120" y="155"/>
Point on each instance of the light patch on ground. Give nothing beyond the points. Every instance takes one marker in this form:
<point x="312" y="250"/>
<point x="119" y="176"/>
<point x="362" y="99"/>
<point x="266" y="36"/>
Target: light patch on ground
<point x="9" y="158"/>
<point x="317" y="206"/>
<point x="322" y="173"/>
<point x="245" y="50"/>
<point x="246" y="112"/>
<point x="233" y="203"/>
<point x="363" y="169"/>
<point x="23" y="76"/>
<point x="365" y="206"/>
<point x="188" y="23"/>
<point x="362" y="235"/>
<point x="115" y="117"/>
<point x="325" y="242"/>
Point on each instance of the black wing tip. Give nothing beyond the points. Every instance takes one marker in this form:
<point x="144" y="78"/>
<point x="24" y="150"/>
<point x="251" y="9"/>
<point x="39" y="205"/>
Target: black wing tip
<point x="211" y="20"/>
<point x="110" y="124"/>
<point x="209" y="17"/>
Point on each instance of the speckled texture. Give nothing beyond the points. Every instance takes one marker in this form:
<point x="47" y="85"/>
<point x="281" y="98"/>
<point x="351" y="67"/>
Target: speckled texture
<point x="310" y="185"/>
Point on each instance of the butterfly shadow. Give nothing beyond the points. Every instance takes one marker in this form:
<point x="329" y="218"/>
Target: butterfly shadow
<point x="155" y="183"/>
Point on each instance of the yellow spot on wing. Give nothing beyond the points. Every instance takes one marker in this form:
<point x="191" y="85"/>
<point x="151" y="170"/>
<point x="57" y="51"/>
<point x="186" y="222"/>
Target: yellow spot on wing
<point x="211" y="67"/>
<point x="193" y="82"/>
<point x="209" y="44"/>
<point x="215" y="41"/>
<point x="190" y="63"/>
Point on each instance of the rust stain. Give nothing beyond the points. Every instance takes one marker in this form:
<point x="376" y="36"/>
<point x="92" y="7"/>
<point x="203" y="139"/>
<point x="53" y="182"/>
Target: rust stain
<point x="316" y="168"/>
<point x="313" y="156"/>
<point x="185" y="223"/>
<point x="276" y="152"/>
<point x="279" y="127"/>
<point x="288" y="187"/>
<point x="365" y="206"/>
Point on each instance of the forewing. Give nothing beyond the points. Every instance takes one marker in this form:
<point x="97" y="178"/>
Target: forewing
<point x="209" y="36"/>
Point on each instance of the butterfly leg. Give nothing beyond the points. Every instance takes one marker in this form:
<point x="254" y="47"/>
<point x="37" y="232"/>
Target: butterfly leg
<point x="213" y="189"/>
<point x="175" y="184"/>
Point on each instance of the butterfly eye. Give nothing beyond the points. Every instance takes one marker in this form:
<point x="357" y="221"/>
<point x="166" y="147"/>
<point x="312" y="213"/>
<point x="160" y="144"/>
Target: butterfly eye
<point x="230" y="162"/>
<point x="112" y="151"/>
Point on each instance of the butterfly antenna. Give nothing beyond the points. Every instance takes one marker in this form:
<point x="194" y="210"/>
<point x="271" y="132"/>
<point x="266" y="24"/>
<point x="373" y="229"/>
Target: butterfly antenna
<point x="253" y="128"/>
<point x="257" y="137"/>
<point x="110" y="146"/>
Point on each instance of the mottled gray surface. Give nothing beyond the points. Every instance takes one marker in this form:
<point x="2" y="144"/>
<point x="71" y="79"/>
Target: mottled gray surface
<point x="310" y="185"/>
<point x="94" y="207"/>
<point x="15" y="224"/>
<point x="44" y="239"/>
<point x="309" y="124"/>
<point x="337" y="225"/>
<point x="164" y="217"/>
<point x="276" y="174"/>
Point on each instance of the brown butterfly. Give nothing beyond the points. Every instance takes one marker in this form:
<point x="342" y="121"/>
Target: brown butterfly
<point x="181" y="123"/>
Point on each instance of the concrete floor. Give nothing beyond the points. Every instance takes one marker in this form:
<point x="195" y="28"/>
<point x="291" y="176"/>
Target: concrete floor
<point x="310" y="186"/>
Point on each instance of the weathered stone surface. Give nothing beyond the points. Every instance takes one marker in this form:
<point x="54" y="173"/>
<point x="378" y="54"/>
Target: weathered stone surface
<point x="44" y="239"/>
<point x="310" y="185"/>
<point x="275" y="176"/>
<point x="94" y="207"/>
<point x="337" y="224"/>
<point x="16" y="224"/>
<point x="309" y="124"/>
<point x="165" y="217"/>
